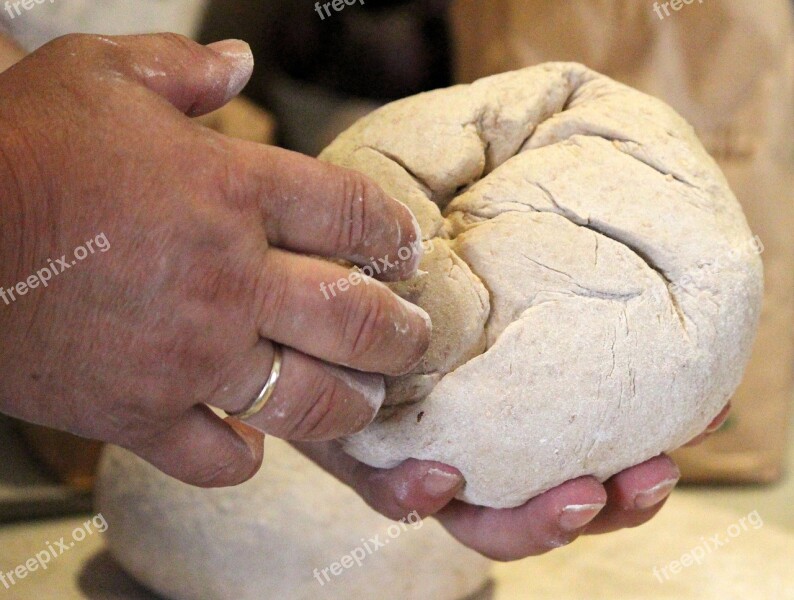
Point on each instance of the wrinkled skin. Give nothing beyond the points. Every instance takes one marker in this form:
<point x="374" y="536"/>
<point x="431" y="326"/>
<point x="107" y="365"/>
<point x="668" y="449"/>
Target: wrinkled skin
<point x="212" y="257"/>
<point x="206" y="262"/>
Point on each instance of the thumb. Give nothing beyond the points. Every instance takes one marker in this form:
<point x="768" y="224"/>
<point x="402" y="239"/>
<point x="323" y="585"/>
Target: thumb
<point x="204" y="450"/>
<point x="196" y="79"/>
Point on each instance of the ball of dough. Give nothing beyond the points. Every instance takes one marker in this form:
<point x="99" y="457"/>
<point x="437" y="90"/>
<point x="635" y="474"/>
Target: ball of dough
<point x="592" y="281"/>
<point x="263" y="540"/>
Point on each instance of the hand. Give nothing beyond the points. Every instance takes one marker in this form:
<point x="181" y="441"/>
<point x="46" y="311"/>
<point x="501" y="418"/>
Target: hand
<point x="627" y="499"/>
<point x="189" y="266"/>
<point x="10" y="53"/>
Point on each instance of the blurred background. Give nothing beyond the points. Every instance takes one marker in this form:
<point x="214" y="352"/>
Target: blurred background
<point x="725" y="65"/>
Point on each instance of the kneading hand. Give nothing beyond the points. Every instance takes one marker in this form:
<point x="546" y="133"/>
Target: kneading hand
<point x="149" y="264"/>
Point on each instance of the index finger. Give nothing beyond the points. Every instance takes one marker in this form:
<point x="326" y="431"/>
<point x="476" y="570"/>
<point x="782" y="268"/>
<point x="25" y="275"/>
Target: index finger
<point x="313" y="207"/>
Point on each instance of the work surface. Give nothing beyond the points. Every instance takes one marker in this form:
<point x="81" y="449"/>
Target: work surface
<point x="707" y="543"/>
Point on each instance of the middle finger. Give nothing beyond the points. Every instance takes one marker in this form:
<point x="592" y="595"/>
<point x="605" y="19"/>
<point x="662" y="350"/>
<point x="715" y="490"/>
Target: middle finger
<point x="359" y="323"/>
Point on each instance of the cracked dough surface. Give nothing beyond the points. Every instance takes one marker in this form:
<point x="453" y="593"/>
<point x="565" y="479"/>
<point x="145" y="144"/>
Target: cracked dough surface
<point x="592" y="281"/>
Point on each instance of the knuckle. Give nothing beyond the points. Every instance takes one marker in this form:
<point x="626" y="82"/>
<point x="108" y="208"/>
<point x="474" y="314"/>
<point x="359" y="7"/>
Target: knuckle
<point x="366" y="322"/>
<point x="117" y="54"/>
<point x="231" y="179"/>
<point x="179" y="42"/>
<point x="318" y="422"/>
<point x="214" y="264"/>
<point x="64" y="42"/>
<point x="210" y="280"/>
<point x="222" y="276"/>
<point x="70" y="41"/>
<point x="401" y="504"/>
<point x="191" y="355"/>
<point x="322" y="408"/>
<point x="182" y="342"/>
<point x="131" y="422"/>
<point x="309" y="419"/>
<point x="272" y="291"/>
<point x="96" y="48"/>
<point x="390" y="496"/>
<point x="353" y="227"/>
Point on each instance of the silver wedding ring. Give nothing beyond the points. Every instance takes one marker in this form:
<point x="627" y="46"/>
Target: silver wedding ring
<point x="261" y="400"/>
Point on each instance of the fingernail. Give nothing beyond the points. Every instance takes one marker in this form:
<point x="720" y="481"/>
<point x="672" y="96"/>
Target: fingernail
<point x="576" y="516"/>
<point x="239" y="52"/>
<point x="714" y="428"/>
<point x="719" y="420"/>
<point x="556" y="543"/>
<point x="653" y="496"/>
<point x="253" y="439"/>
<point x="417" y="249"/>
<point x="437" y="483"/>
<point x="417" y="310"/>
<point x="403" y="326"/>
<point x="231" y="48"/>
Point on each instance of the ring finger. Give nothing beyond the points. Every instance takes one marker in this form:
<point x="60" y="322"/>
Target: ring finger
<point x="311" y="400"/>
